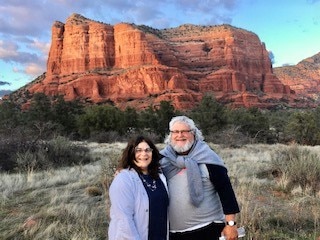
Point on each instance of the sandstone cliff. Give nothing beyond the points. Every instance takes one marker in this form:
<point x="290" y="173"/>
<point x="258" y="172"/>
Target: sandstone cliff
<point x="136" y="66"/>
<point x="303" y="78"/>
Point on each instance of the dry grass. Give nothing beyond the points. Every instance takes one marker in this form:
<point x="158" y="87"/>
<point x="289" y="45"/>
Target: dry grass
<point x="71" y="203"/>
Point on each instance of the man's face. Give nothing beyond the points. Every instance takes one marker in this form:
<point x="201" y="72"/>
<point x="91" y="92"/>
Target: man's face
<point x="182" y="137"/>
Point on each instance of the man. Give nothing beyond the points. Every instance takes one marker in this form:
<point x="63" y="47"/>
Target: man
<point x="202" y="201"/>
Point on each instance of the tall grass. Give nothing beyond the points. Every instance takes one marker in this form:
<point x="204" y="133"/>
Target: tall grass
<point x="53" y="205"/>
<point x="297" y="167"/>
<point x="72" y="202"/>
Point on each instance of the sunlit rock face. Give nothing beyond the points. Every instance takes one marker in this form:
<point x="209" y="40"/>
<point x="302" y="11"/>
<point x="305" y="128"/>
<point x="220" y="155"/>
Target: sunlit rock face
<point x="138" y="66"/>
<point x="304" y="79"/>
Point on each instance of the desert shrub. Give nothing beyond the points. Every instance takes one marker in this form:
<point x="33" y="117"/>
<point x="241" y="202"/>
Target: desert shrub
<point x="113" y="136"/>
<point x="105" y="137"/>
<point x="93" y="191"/>
<point x="28" y="161"/>
<point x="55" y="153"/>
<point x="252" y="122"/>
<point x="6" y="164"/>
<point x="297" y="167"/>
<point x="109" y="167"/>
<point x="230" y="137"/>
<point x="154" y="137"/>
<point x="7" y="149"/>
<point x="18" y="140"/>
<point x="62" y="152"/>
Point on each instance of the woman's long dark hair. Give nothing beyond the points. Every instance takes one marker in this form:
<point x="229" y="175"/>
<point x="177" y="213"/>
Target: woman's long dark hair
<point x="128" y="156"/>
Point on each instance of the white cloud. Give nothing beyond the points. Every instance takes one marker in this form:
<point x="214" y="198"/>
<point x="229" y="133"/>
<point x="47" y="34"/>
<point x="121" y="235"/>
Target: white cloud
<point x="34" y="69"/>
<point x="43" y="47"/>
<point x="8" y="50"/>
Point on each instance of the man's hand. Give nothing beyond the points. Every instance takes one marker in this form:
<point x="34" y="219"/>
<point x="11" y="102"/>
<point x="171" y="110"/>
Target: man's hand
<point x="230" y="232"/>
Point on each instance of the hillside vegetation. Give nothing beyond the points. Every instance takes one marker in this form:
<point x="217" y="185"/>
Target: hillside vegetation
<point x="48" y="117"/>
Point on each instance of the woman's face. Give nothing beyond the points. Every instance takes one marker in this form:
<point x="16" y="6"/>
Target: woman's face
<point x="143" y="156"/>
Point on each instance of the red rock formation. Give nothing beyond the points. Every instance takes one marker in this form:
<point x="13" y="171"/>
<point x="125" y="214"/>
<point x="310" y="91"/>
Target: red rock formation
<point x="80" y="45"/>
<point x="303" y="78"/>
<point x="137" y="65"/>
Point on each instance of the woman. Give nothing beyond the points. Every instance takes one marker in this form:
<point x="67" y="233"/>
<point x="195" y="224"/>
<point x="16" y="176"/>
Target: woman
<point x="138" y="195"/>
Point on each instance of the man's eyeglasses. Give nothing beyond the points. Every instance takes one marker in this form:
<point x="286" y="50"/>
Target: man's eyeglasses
<point x="180" y="131"/>
<point x="140" y="150"/>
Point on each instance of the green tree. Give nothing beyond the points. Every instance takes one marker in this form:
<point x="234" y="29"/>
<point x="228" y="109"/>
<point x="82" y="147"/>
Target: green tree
<point x="164" y="114"/>
<point x="99" y="118"/>
<point x="39" y="118"/>
<point x="210" y="115"/>
<point x="10" y="115"/>
<point x="316" y="113"/>
<point x="40" y="108"/>
<point x="303" y="128"/>
<point x="129" y="120"/>
<point x="278" y="120"/>
<point x="65" y="114"/>
<point x="148" y="119"/>
<point x="252" y="122"/>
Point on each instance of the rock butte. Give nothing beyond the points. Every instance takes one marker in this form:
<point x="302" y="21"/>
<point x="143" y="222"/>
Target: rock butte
<point x="139" y="66"/>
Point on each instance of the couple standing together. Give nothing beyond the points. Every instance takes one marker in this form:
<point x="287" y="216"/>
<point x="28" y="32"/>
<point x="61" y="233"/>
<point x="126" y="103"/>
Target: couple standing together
<point x="182" y="192"/>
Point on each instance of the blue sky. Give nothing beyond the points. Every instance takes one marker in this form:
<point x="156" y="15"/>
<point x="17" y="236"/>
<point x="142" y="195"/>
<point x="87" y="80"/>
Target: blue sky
<point x="289" y="28"/>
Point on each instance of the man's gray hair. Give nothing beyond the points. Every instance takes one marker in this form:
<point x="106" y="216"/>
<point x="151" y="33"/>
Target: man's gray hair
<point x="184" y="119"/>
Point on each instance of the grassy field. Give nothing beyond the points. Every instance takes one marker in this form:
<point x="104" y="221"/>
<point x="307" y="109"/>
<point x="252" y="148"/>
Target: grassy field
<point x="72" y="202"/>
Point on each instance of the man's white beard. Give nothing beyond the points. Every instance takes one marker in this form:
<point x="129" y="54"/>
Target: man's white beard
<point x="182" y="149"/>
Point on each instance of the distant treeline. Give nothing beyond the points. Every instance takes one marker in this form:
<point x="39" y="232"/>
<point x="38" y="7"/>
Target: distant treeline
<point x="47" y="118"/>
